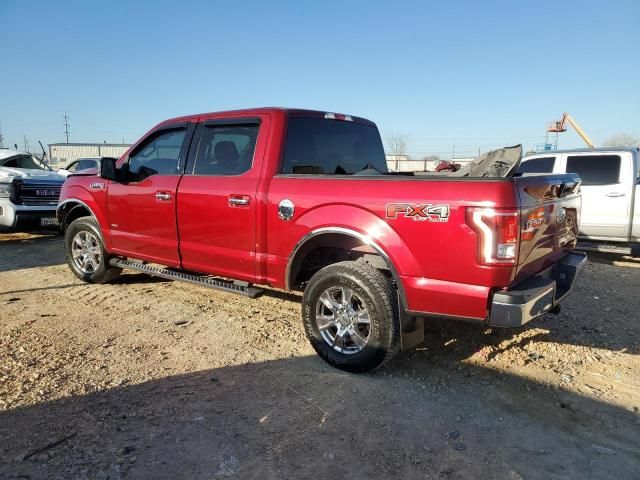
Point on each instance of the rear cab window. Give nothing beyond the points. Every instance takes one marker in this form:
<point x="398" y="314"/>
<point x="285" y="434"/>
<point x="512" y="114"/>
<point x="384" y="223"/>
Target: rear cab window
<point x="595" y="169"/>
<point x="537" y="165"/>
<point x="332" y="147"/>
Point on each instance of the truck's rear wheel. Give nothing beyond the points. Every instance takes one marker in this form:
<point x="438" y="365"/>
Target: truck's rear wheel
<point x="85" y="252"/>
<point x="350" y="316"/>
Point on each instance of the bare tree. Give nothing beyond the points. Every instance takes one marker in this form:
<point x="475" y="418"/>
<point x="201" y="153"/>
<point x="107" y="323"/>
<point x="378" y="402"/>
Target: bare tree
<point x="622" y="140"/>
<point x="397" y="143"/>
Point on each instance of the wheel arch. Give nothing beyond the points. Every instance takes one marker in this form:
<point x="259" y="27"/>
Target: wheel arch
<point x="72" y="209"/>
<point x="340" y="238"/>
<point x="77" y="206"/>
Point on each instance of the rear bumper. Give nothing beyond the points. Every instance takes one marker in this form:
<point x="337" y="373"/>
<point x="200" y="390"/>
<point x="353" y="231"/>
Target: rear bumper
<point x="538" y="294"/>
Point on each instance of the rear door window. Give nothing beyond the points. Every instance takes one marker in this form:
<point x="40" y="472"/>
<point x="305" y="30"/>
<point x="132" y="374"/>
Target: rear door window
<point x="595" y="169"/>
<point x="537" y="165"/>
<point x="226" y="149"/>
<point x="334" y="147"/>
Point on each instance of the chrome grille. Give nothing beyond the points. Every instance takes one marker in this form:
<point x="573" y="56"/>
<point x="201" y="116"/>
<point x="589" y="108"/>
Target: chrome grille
<point x="37" y="193"/>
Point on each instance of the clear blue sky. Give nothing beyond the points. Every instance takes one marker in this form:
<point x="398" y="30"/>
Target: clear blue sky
<point x="477" y="74"/>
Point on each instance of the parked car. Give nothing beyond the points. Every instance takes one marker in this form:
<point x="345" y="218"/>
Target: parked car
<point x="81" y="165"/>
<point x="610" y="192"/>
<point x="29" y="192"/>
<point x="302" y="200"/>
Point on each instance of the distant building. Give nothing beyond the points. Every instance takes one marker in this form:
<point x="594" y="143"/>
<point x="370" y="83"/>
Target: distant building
<point x="61" y="154"/>
<point x="396" y="162"/>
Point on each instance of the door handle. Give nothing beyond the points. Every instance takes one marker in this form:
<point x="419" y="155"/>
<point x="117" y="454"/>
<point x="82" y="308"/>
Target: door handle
<point x="615" y="194"/>
<point x="238" y="200"/>
<point x="163" y="196"/>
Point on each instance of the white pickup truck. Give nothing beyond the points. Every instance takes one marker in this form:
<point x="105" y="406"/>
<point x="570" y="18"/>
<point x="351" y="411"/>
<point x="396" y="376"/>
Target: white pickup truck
<point x="610" y="193"/>
<point x="29" y="192"/>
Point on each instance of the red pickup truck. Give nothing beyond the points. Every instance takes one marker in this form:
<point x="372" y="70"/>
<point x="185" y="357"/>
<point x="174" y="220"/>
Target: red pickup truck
<point x="303" y="200"/>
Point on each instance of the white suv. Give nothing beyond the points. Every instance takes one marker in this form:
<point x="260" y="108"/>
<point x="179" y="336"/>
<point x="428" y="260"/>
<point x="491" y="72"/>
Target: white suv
<point x="29" y="192"/>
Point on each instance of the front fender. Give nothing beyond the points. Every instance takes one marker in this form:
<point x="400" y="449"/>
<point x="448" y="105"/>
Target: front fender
<point x="95" y="202"/>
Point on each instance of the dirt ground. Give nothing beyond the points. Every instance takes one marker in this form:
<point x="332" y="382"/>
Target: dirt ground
<point x="155" y="379"/>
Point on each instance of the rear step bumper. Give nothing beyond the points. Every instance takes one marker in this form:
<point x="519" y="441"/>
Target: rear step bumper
<point x="536" y="295"/>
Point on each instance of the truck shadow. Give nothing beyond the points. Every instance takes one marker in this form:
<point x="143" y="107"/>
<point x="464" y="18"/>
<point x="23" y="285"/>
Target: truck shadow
<point x="601" y="313"/>
<point x="130" y="278"/>
<point x="614" y="259"/>
<point x="25" y="250"/>
<point x="452" y="342"/>
<point x="298" y="418"/>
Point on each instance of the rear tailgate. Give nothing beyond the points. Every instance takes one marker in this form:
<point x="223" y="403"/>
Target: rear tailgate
<point x="550" y="206"/>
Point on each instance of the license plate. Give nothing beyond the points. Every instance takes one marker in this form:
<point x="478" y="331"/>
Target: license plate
<point x="48" y="221"/>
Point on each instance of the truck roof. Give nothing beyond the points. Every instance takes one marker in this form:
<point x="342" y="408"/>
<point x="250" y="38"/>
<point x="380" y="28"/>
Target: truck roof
<point x="291" y="112"/>
<point x="8" y="152"/>
<point x="588" y="150"/>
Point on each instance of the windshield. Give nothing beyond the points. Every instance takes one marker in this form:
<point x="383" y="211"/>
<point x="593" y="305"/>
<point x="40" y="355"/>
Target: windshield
<point x="23" y="161"/>
<point x="319" y="146"/>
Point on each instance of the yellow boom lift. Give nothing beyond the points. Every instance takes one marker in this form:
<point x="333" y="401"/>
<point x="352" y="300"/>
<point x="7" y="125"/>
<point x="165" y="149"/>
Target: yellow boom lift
<point x="559" y="127"/>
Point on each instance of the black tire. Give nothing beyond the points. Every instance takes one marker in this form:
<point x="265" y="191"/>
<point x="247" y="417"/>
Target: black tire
<point x="104" y="272"/>
<point x="372" y="290"/>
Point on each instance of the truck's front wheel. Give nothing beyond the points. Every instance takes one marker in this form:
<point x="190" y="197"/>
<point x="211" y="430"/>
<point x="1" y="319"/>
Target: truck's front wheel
<point x="350" y="316"/>
<point x="85" y="252"/>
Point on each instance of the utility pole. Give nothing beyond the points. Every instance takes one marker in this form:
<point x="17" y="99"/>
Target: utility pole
<point x="65" y="117"/>
<point x="26" y="143"/>
<point x="1" y="136"/>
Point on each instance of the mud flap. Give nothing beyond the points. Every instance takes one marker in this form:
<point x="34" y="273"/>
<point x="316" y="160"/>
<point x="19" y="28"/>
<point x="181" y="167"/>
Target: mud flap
<point x="411" y="329"/>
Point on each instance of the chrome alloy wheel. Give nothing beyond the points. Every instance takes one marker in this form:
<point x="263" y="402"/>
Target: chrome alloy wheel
<point x="343" y="320"/>
<point x="86" y="251"/>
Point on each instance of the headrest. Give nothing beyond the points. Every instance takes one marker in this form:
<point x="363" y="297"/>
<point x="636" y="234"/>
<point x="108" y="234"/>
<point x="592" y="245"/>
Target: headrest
<point x="226" y="152"/>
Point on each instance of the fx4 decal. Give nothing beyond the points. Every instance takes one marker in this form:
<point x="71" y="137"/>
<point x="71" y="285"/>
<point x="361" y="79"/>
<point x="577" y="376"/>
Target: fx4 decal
<point x="423" y="212"/>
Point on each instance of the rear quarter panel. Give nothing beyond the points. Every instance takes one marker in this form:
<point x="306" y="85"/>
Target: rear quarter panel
<point x="430" y="256"/>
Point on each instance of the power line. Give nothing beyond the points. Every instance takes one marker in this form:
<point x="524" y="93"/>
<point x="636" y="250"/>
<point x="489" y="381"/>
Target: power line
<point x="66" y="126"/>
<point x="514" y="137"/>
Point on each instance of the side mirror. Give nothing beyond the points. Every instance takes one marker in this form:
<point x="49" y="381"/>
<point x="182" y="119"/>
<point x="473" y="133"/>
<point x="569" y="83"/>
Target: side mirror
<point x="108" y="168"/>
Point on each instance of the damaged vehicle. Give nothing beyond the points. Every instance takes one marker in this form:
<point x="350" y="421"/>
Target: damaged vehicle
<point x="29" y="192"/>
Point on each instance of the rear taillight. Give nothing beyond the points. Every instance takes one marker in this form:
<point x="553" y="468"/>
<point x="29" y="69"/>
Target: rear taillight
<point x="498" y="233"/>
